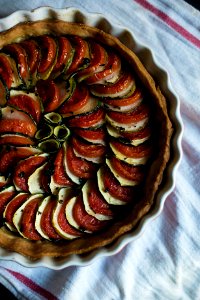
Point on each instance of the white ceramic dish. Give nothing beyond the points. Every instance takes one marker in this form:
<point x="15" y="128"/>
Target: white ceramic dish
<point x="161" y="76"/>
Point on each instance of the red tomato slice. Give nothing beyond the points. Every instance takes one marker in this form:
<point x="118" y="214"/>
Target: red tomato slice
<point x="64" y="54"/>
<point x="33" y="54"/>
<point x="63" y="223"/>
<point x="97" y="62"/>
<point x="28" y="220"/>
<point x="46" y="221"/>
<point x="15" y="140"/>
<point x="137" y="114"/>
<point x="49" y="93"/>
<point x="27" y="104"/>
<point x="77" y="100"/>
<point x="97" y="202"/>
<point x="78" y="166"/>
<point x="81" y="53"/>
<point x="48" y="53"/>
<point x="112" y="67"/>
<point x="5" y="197"/>
<point x="60" y="177"/>
<point x="143" y="133"/>
<point x="84" y="220"/>
<point x="123" y="83"/>
<point x="88" y="150"/>
<point x="19" y="54"/>
<point x="137" y="95"/>
<point x="115" y="189"/>
<point x="18" y="126"/>
<point x="24" y="169"/>
<point x="91" y="134"/>
<point x="45" y="177"/>
<point x="13" y="205"/>
<point x="88" y="120"/>
<point x="6" y="70"/>
<point x="11" y="155"/>
<point x="127" y="171"/>
<point x="132" y="151"/>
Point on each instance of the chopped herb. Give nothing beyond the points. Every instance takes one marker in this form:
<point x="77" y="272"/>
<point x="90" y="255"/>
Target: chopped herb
<point x="60" y="201"/>
<point x="21" y="174"/>
<point x="86" y="61"/>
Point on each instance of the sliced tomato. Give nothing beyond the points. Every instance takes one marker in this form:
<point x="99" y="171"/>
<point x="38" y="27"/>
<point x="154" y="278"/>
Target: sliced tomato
<point x="46" y="221"/>
<point x="13" y="205"/>
<point x="78" y="99"/>
<point x="33" y="54"/>
<point x="26" y="102"/>
<point x="6" y="69"/>
<point x="45" y="177"/>
<point x="113" y="187"/>
<point x="5" y="196"/>
<point x="141" y="134"/>
<point x="111" y="70"/>
<point x="133" y="99"/>
<point x="20" y="56"/>
<point x="49" y="93"/>
<point x="84" y="220"/>
<point x="28" y="220"/>
<point x="91" y="119"/>
<point x="97" y="62"/>
<point x="118" y="89"/>
<point x="97" y="202"/>
<point x="81" y="55"/>
<point x="18" y="126"/>
<point x="64" y="54"/>
<point x="60" y="177"/>
<point x="15" y="140"/>
<point x="63" y="223"/>
<point x="136" y="115"/>
<point x="11" y="155"/>
<point x="87" y="149"/>
<point x="48" y="48"/>
<point x="78" y="166"/>
<point x="13" y="120"/>
<point x="4" y="93"/>
<point x="24" y="169"/>
<point x="98" y="134"/>
<point x="132" y="151"/>
<point x="127" y="171"/>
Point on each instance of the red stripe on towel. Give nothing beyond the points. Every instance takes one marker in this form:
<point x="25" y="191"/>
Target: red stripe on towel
<point x="170" y="22"/>
<point x="32" y="285"/>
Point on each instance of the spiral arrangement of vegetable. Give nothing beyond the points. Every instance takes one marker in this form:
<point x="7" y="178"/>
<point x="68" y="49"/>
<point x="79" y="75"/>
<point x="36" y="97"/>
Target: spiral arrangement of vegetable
<point x="74" y="136"/>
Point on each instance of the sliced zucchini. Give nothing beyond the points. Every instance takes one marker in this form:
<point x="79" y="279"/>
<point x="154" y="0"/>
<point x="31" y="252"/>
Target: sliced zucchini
<point x="69" y="213"/>
<point x="136" y="126"/>
<point x="44" y="133"/>
<point x="49" y="145"/>
<point x="14" y="81"/>
<point x="61" y="132"/>
<point x="53" y="118"/>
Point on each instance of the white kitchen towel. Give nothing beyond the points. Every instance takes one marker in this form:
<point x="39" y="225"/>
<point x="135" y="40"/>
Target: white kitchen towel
<point x="164" y="263"/>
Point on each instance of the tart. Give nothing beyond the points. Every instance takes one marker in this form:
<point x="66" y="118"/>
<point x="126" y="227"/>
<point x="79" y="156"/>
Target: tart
<point x="84" y="139"/>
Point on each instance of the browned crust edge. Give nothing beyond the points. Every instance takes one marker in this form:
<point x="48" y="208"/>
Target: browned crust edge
<point x="39" y="249"/>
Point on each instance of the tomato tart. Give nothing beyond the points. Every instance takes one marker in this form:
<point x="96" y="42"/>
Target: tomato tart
<point x="84" y="139"/>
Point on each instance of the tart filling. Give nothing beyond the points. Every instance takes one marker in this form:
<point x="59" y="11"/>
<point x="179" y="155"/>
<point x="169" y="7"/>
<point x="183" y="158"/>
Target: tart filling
<point x="84" y="139"/>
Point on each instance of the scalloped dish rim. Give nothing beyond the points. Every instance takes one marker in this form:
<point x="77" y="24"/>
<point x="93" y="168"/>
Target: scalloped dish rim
<point x="92" y="19"/>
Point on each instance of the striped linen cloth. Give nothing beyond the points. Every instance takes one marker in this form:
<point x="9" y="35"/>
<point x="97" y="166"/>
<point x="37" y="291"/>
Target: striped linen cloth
<point x="164" y="263"/>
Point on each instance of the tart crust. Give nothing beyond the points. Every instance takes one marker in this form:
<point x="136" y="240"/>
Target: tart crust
<point x="37" y="249"/>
